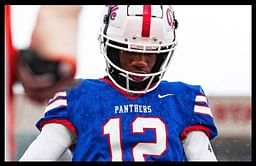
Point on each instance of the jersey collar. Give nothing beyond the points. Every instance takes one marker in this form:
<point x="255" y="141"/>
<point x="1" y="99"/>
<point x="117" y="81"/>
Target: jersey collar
<point x="130" y="96"/>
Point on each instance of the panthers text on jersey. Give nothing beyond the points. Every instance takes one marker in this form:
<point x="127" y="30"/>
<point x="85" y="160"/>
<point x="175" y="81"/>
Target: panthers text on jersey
<point x="113" y="126"/>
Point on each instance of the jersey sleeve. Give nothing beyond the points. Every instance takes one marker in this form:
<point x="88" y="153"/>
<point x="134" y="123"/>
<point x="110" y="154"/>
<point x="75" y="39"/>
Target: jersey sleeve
<point x="56" y="111"/>
<point x="199" y="115"/>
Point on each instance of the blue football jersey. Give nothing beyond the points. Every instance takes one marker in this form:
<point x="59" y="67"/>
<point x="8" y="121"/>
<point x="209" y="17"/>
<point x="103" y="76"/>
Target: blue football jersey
<point x="111" y="125"/>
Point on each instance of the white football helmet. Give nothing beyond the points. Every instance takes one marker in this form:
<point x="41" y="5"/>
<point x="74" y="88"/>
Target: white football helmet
<point x="142" y="29"/>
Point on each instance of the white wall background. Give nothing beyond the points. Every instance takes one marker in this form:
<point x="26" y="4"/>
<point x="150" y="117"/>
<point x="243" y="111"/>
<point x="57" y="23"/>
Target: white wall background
<point x="214" y="45"/>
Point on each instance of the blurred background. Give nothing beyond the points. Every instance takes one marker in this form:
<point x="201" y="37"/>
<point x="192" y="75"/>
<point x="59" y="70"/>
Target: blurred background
<point x="214" y="51"/>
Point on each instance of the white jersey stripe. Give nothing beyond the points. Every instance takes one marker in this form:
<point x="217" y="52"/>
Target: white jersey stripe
<point x="57" y="103"/>
<point x="203" y="110"/>
<point x="201" y="98"/>
<point x="64" y="94"/>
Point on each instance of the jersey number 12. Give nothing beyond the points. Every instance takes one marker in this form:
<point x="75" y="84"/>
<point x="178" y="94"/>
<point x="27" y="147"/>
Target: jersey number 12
<point x="113" y="129"/>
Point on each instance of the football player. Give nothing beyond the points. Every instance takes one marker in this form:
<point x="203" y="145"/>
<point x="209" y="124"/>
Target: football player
<point x="131" y="114"/>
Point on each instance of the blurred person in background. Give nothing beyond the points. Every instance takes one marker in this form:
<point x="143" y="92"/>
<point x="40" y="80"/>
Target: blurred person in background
<point x="48" y="65"/>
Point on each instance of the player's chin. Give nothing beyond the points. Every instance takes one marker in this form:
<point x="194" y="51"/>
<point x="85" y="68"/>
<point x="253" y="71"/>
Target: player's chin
<point x="137" y="78"/>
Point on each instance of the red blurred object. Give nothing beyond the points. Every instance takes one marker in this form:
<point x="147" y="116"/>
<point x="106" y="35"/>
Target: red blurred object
<point x="10" y="56"/>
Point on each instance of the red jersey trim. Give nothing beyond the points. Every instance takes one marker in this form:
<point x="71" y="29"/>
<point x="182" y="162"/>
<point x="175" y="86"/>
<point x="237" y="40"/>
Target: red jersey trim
<point x="64" y="122"/>
<point x="120" y="90"/>
<point x="195" y="128"/>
